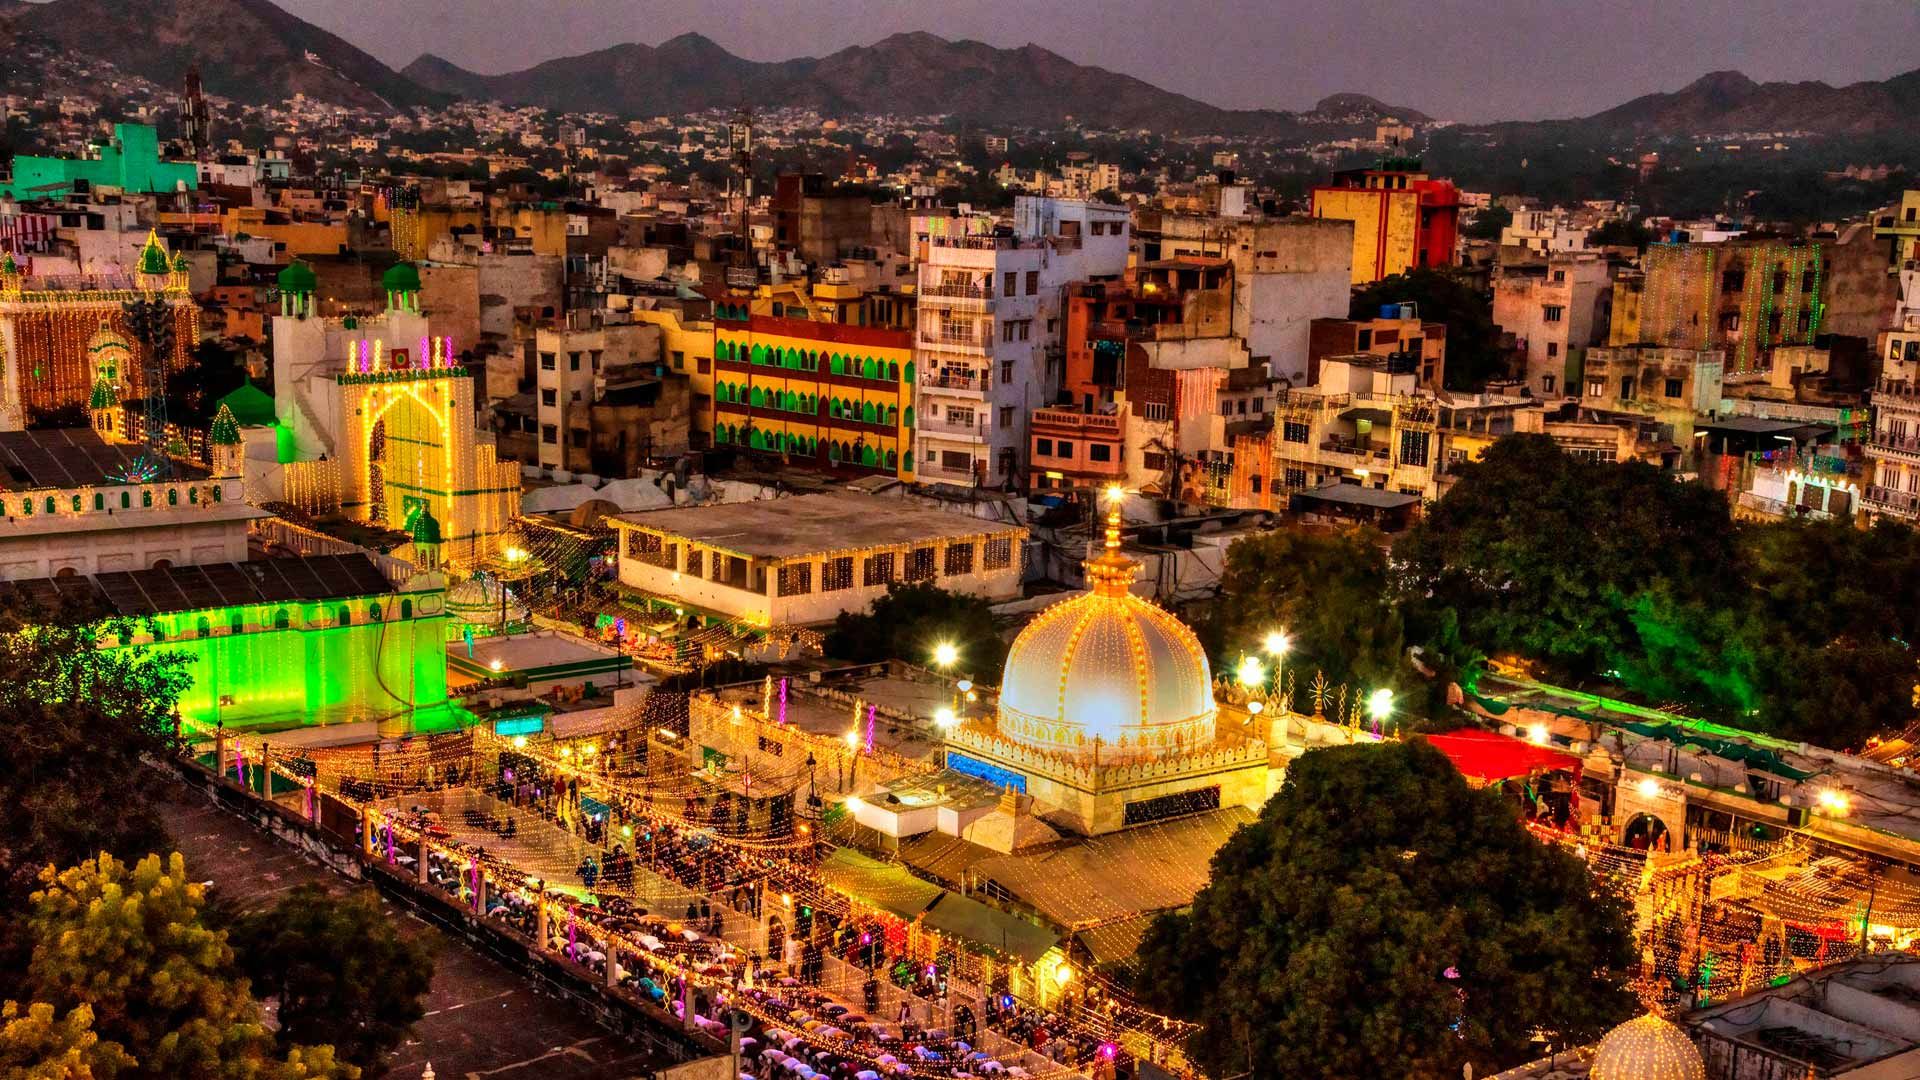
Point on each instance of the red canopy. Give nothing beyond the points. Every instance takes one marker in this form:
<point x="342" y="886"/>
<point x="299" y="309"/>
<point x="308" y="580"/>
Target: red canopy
<point x="1489" y="755"/>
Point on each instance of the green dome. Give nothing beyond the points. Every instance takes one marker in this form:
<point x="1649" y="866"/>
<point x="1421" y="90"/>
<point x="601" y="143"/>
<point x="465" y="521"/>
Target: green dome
<point x="180" y="262"/>
<point x="401" y="277"/>
<point x="298" y="277"/>
<point x="249" y="406"/>
<point x="225" y="431"/>
<point x="426" y="527"/>
<point x="103" y="396"/>
<point x="153" y="257"/>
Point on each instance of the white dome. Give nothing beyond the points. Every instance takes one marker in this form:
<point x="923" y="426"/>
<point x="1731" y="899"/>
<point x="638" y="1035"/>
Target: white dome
<point x="1647" y="1048"/>
<point x="1111" y="667"/>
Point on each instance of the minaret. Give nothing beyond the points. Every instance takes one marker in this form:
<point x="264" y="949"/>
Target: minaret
<point x="109" y="354"/>
<point x="426" y="540"/>
<point x="225" y="454"/>
<point x="297" y="284"/>
<point x="402" y="283"/>
<point x="154" y="271"/>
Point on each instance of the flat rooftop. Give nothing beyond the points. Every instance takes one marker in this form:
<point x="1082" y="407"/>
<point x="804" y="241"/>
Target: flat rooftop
<point x="68" y="457"/>
<point x="810" y="524"/>
<point x="199" y="588"/>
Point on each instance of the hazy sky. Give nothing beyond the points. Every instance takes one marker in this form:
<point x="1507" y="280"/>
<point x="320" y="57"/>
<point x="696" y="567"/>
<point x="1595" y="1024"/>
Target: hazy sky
<point x="1457" y="59"/>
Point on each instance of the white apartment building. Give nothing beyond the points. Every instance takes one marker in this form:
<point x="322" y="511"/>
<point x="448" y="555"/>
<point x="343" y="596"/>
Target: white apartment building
<point x="988" y="348"/>
<point x="571" y="371"/>
<point x="1543" y="232"/>
<point x="1893" y="451"/>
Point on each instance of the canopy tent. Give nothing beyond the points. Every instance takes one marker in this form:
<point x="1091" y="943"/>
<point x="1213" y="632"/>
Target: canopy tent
<point x="1488" y="755"/>
<point x="1758" y="758"/>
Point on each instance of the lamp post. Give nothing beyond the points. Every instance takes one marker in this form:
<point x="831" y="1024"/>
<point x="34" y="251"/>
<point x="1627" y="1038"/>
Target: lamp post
<point x="1380" y="705"/>
<point x="1277" y="644"/>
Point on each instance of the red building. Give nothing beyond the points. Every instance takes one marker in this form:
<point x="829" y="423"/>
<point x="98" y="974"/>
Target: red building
<point x="1402" y="219"/>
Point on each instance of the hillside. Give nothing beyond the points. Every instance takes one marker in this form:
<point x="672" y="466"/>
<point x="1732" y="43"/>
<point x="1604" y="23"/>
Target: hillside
<point x="1727" y="101"/>
<point x="905" y="74"/>
<point x="249" y="50"/>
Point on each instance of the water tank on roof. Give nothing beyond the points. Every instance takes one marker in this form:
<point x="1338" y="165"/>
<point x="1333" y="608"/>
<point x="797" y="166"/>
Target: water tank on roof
<point x="1409" y="311"/>
<point x="1389" y="311"/>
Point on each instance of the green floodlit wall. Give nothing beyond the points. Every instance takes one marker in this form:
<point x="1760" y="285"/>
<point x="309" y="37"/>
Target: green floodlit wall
<point x="309" y="675"/>
<point x="130" y="162"/>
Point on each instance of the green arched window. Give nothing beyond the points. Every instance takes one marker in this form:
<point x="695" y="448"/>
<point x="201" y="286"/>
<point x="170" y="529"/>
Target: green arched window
<point x="757" y="441"/>
<point x="99" y="500"/>
<point x="909" y="418"/>
<point x="757" y="398"/>
<point x="52" y="507"/>
<point x="76" y="502"/>
<point x="126" y="500"/>
<point x="909" y="371"/>
<point x="758" y="355"/>
<point x="833" y="452"/>
<point x="837" y="364"/>
<point x="870" y="368"/>
<point x="173" y="496"/>
<point x="868" y="457"/>
<point x="868" y="413"/>
<point x="146" y="498"/>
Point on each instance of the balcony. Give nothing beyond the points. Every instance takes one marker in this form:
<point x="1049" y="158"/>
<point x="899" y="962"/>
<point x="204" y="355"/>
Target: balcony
<point x="1904" y="447"/>
<point x="1896" y="392"/>
<point x="1354" y="454"/>
<point x="1074" y="422"/>
<point x="1882" y="500"/>
<point x="972" y="429"/>
<point x="973" y="382"/>
<point x="968" y="297"/>
<point x="972" y="344"/>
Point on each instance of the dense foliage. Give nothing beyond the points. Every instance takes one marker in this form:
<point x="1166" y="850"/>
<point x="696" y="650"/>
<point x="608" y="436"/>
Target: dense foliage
<point x="1382" y="918"/>
<point x="1620" y="575"/>
<point x="910" y="620"/>
<point x="1473" y="341"/>
<point x="134" y="947"/>
<point x="342" y="974"/>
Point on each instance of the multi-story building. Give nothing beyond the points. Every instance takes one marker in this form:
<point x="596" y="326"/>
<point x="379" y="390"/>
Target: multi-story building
<point x="576" y="360"/>
<point x="1402" y="218"/>
<point x="1893" y="450"/>
<point x="1675" y="386"/>
<point x="1362" y="424"/>
<point x="836" y="396"/>
<point x="1554" y="309"/>
<point x="1543" y="232"/>
<point x="1397" y="334"/>
<point x="988" y="348"/>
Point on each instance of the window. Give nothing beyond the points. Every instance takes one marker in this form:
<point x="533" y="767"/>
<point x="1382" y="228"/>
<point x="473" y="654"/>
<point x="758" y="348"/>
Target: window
<point x="1596" y="388"/>
<point x="1552" y="312"/>
<point x="1260" y="405"/>
<point x="878" y="569"/>
<point x="796" y="579"/>
<point x="959" y="559"/>
<point x="703" y="364"/>
<point x="1364" y="340"/>
<point x="960" y="415"/>
<point x="1673" y="388"/>
<point x="1154" y="460"/>
<point x="1158" y="411"/>
<point x="1100" y="451"/>
<point x="547" y="396"/>
<point x="1553" y="348"/>
<point x="956" y="461"/>
<point x="549" y="434"/>
<point x="1006" y="417"/>
<point x="1294" y="478"/>
<point x="1009" y="283"/>
<point x="1546" y="383"/>
<point x="1559" y="276"/>
<point x="836" y="573"/>
<point x="920" y="564"/>
<point x="1033" y="282"/>
<point x="998" y="554"/>
<point x="1626" y="387"/>
<point x="1006" y="372"/>
<point x="573" y="361"/>
<point x="679" y="360"/>
<point x="696" y="562"/>
<point x="546" y="361"/>
<point x="1063" y="448"/>
<point x="1293" y="431"/>
<point x="1043" y="447"/>
<point x="1414" y="447"/>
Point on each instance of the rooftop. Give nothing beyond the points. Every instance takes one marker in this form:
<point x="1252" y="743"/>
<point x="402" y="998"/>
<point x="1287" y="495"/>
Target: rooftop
<point x="200" y="588"/>
<point x="67" y="458"/>
<point x="811" y="524"/>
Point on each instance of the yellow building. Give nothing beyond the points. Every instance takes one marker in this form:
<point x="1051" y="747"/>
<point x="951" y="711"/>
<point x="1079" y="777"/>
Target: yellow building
<point x="295" y="237"/>
<point x="1402" y="219"/>
<point x="687" y="348"/>
<point x="837" y="396"/>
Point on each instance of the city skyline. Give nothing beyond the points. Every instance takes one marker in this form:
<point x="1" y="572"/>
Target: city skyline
<point x="1236" y="55"/>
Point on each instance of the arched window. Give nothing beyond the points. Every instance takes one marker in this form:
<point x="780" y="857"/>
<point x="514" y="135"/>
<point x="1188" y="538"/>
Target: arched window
<point x="909" y="371"/>
<point x="909" y="418"/>
<point x="66" y="572"/>
<point x="99" y="500"/>
<point x="146" y="497"/>
<point x="893" y="458"/>
<point x="193" y="495"/>
<point x="868" y="413"/>
<point x="837" y="365"/>
<point x="203" y="627"/>
<point x="163" y="564"/>
<point x="280" y="619"/>
<point x="345" y="617"/>
<point x="173" y="496"/>
<point x="52" y="507"/>
<point x="237" y="623"/>
<point x="216" y="493"/>
<point x="758" y="398"/>
<point x="76" y="502"/>
<point x="406" y="609"/>
<point x="126" y="500"/>
<point x="893" y="370"/>
<point x="373" y="612"/>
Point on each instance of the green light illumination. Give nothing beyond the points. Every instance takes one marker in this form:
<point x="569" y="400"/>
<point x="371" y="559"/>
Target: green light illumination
<point x="310" y="667"/>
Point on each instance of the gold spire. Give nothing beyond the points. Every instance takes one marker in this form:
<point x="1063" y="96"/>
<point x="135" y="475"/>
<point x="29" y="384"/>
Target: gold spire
<point x="1112" y="573"/>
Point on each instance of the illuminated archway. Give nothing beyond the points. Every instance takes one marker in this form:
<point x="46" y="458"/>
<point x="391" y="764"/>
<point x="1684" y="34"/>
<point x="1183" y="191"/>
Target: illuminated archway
<point x="407" y="460"/>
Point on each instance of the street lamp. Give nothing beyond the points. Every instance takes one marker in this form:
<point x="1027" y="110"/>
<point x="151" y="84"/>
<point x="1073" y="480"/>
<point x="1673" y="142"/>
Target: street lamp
<point x="1250" y="673"/>
<point x="1277" y="643"/>
<point x="944" y="717"/>
<point x="945" y="655"/>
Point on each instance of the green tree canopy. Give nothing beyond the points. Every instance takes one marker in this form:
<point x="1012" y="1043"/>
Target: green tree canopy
<point x="1383" y="918"/>
<point x="37" y="1045"/>
<point x="1329" y="592"/>
<point x="341" y="972"/>
<point x="910" y="620"/>
<point x="1488" y="224"/>
<point x="1473" y="353"/>
<point x="132" y="944"/>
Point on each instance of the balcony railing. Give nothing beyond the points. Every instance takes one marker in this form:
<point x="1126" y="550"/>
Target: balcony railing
<point x="1896" y="389"/>
<point x="1092" y="424"/>
<point x="958" y="292"/>
<point x="973" y="429"/>
<point x="969" y="343"/>
<point x="1888" y="501"/>
<point x="955" y="380"/>
<point x="1903" y="444"/>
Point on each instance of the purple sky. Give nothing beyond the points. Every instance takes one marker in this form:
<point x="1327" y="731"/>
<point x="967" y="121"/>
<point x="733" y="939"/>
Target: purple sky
<point x="1457" y="59"/>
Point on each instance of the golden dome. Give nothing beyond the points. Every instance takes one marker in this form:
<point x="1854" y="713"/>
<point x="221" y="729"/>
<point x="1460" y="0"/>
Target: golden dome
<point x="1107" y="669"/>
<point x="1647" y="1048"/>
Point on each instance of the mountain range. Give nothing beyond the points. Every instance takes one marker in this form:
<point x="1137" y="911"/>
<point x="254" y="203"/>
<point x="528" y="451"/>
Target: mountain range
<point x="254" y="51"/>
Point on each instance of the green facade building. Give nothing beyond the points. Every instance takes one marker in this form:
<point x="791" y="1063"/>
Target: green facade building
<point x="129" y="161"/>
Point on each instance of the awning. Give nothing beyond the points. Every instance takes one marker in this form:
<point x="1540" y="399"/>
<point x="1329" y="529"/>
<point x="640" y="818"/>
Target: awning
<point x="973" y="922"/>
<point x="1753" y="757"/>
<point x="1366" y="412"/>
<point x="1489" y="755"/>
<point x="887" y="886"/>
<point x="1346" y="494"/>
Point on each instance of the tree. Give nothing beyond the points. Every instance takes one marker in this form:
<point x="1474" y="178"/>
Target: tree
<point x="341" y="972"/>
<point x="132" y="944"/>
<point x="1488" y="224"/>
<point x="37" y="1045"/>
<point x="1473" y="353"/>
<point x="75" y="720"/>
<point x="1383" y="918"/>
<point x="1328" y="592"/>
<point x="1619" y="234"/>
<point x="910" y="620"/>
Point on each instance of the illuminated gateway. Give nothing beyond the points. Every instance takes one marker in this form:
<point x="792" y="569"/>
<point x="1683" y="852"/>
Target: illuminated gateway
<point x="1106" y="713"/>
<point x="377" y="420"/>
